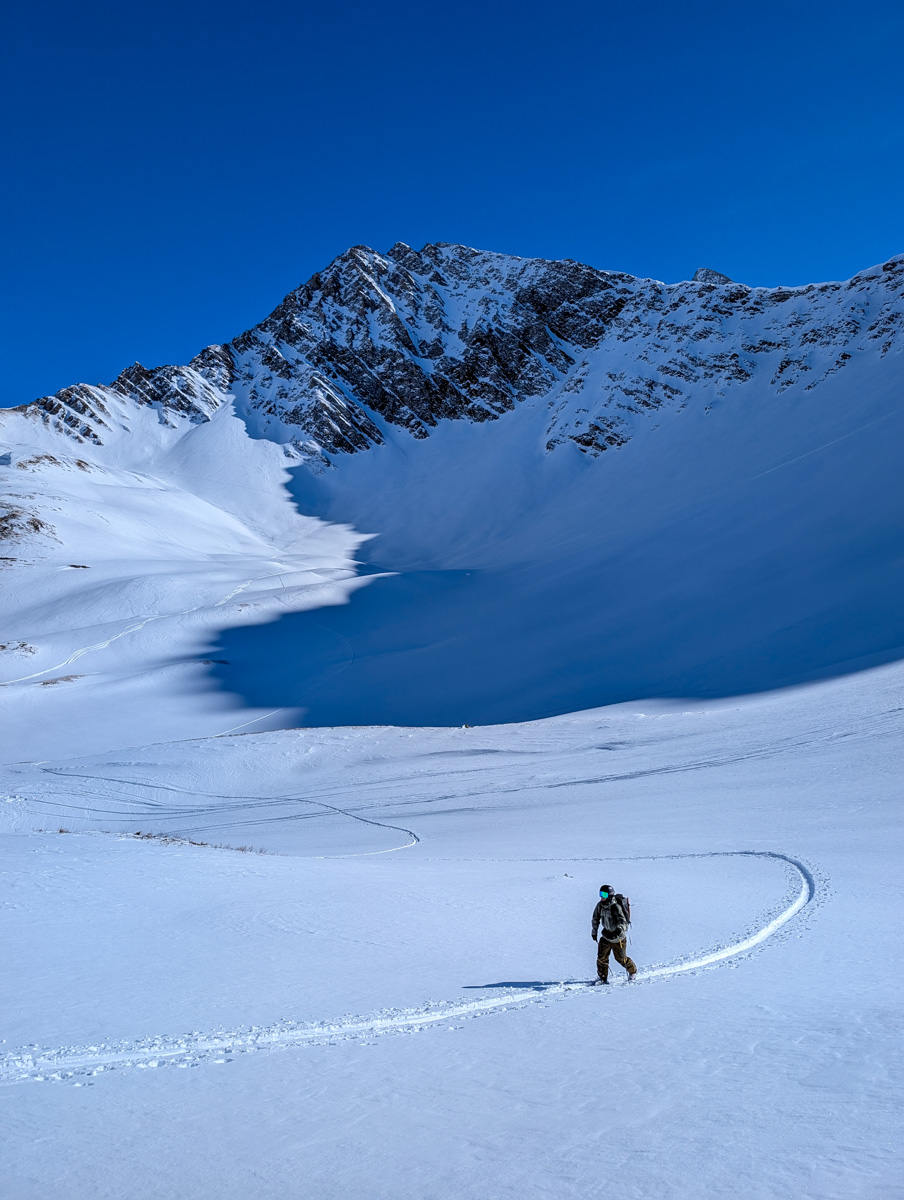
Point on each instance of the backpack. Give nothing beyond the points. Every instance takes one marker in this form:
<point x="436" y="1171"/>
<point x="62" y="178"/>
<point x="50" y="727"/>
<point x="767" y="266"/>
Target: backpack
<point x="625" y="904"/>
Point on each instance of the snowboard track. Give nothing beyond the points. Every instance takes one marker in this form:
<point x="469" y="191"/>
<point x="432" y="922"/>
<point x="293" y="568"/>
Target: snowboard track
<point x="79" y="1064"/>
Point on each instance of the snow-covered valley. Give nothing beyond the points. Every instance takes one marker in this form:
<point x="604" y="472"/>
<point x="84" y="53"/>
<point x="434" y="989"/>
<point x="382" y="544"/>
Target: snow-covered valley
<point x="459" y="585"/>
<point x="354" y="1014"/>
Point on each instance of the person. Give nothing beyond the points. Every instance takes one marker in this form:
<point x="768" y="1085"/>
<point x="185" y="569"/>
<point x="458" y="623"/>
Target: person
<point x="611" y="917"/>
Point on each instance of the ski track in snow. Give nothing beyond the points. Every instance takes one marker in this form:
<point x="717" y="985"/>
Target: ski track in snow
<point x="78" y="1063"/>
<point x="153" y="809"/>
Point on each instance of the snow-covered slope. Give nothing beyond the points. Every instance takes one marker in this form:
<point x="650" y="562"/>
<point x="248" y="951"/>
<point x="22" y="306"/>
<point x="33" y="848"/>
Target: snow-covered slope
<point x="455" y="487"/>
<point x="521" y="487"/>
<point x="357" y="1015"/>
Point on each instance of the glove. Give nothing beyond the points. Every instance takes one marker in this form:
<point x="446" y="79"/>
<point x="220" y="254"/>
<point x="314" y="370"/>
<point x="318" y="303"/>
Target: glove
<point x="593" y="937"/>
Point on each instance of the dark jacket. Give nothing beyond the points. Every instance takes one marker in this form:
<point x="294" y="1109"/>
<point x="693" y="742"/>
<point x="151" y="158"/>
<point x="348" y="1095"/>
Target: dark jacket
<point x="610" y="918"/>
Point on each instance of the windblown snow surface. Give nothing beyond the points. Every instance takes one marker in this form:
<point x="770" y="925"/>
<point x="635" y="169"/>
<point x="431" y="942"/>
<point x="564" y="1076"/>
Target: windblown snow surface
<point x="461" y="585"/>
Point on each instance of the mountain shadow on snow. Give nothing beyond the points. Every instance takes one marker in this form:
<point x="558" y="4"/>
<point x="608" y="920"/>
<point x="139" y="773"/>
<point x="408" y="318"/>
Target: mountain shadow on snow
<point x="453" y="648"/>
<point x="694" y="571"/>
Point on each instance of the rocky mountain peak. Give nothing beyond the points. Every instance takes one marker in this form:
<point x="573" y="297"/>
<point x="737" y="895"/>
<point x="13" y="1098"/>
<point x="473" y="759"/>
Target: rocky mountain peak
<point x="410" y="338"/>
<point x="708" y="275"/>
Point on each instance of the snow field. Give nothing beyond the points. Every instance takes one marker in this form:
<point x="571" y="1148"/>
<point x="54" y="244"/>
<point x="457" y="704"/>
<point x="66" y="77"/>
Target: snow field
<point x="155" y="960"/>
<point x="774" y="1072"/>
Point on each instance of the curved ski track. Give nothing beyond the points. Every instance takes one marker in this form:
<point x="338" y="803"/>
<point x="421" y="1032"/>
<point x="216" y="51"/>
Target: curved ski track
<point x="32" y="1063"/>
<point x="152" y="808"/>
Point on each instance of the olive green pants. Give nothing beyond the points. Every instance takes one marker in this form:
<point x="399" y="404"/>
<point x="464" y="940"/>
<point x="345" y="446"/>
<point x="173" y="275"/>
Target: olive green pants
<point x="617" y="949"/>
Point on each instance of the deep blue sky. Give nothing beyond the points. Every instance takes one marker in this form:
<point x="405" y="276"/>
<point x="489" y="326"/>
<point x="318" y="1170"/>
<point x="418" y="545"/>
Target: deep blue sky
<point x="174" y="169"/>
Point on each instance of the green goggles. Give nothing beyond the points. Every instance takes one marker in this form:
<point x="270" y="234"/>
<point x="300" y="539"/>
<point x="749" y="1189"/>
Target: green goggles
<point x="603" y="895"/>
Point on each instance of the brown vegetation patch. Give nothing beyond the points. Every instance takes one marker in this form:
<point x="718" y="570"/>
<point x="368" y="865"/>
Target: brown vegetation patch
<point x="16" y="523"/>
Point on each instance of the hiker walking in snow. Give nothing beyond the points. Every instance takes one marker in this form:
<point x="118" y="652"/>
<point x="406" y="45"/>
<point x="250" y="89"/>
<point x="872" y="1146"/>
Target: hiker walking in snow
<point x="611" y="917"/>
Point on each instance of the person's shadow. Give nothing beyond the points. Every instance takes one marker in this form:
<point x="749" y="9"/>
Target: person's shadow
<point x="535" y="985"/>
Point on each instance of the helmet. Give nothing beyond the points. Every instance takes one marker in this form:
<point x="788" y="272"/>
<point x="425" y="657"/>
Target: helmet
<point x="608" y="889"/>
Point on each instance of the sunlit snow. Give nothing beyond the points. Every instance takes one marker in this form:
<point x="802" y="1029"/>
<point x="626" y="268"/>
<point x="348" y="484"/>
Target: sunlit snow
<point x="313" y="767"/>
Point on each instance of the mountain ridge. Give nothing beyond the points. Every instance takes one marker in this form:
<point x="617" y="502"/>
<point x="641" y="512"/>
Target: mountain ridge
<point x="411" y="338"/>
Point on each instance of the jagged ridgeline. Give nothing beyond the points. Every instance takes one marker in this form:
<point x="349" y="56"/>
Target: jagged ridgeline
<point x="412" y="338"/>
